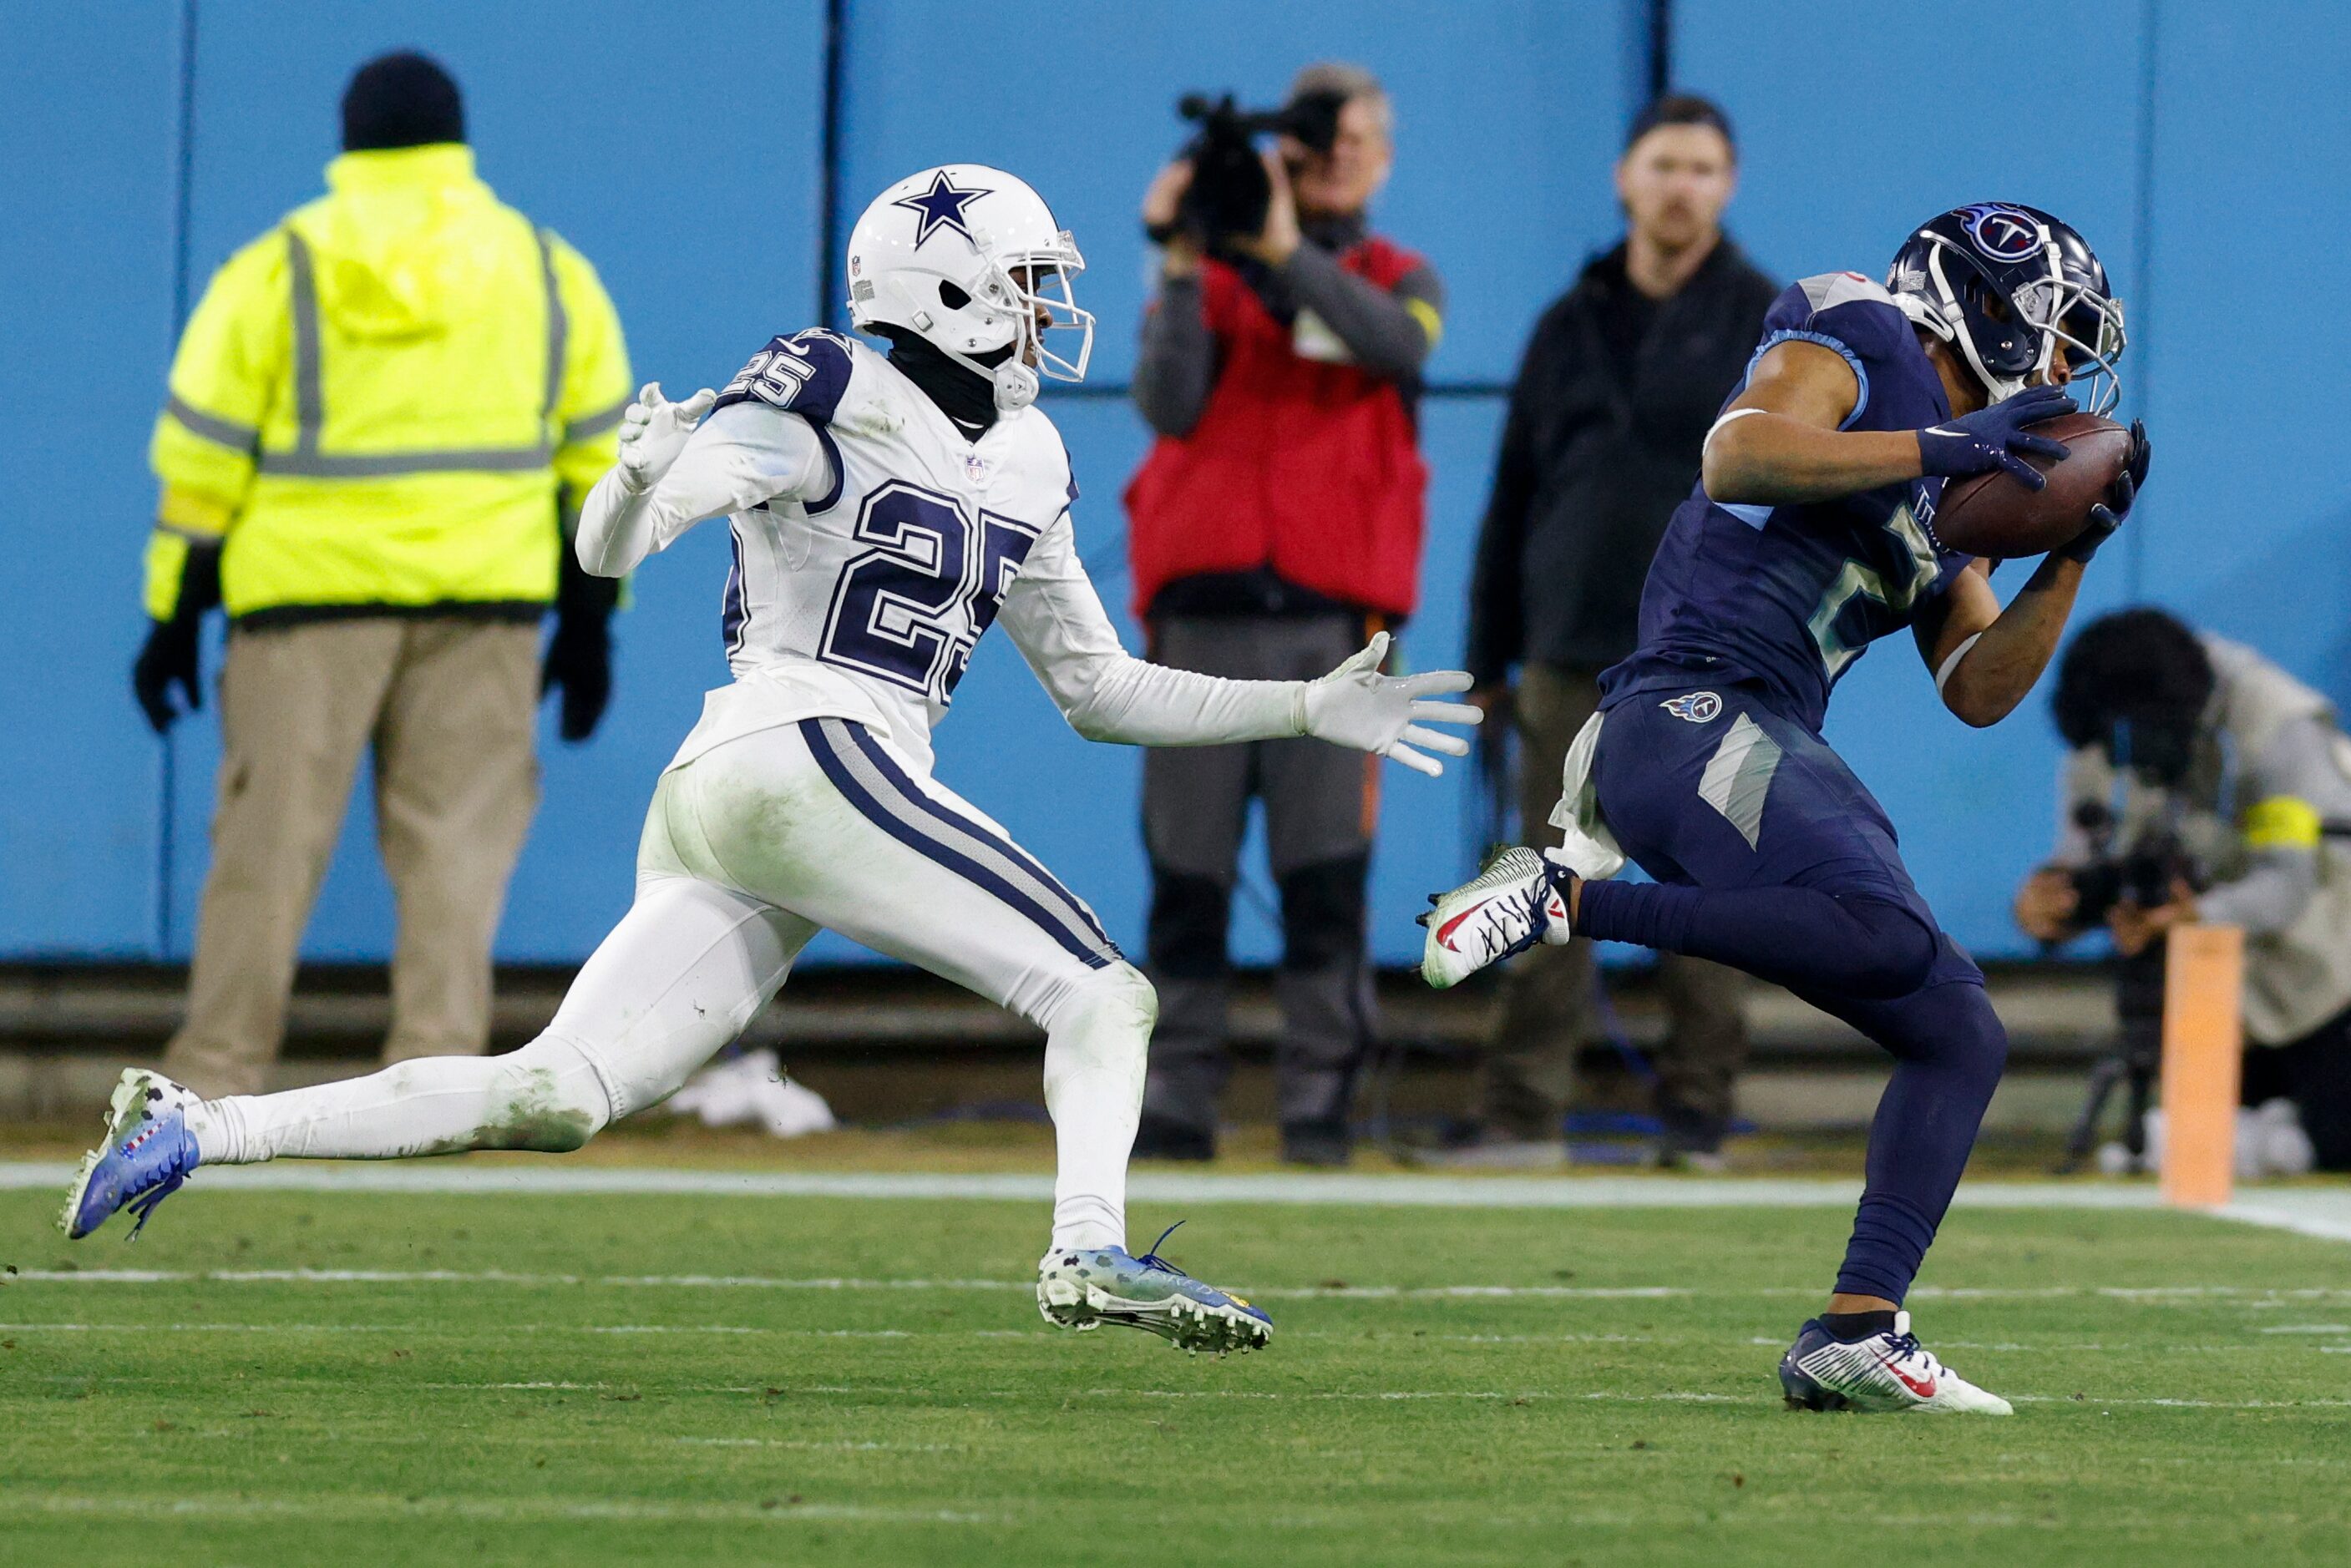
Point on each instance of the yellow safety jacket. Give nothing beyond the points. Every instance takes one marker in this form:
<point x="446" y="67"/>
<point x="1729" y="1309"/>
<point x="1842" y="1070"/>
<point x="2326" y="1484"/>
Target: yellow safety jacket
<point x="374" y="405"/>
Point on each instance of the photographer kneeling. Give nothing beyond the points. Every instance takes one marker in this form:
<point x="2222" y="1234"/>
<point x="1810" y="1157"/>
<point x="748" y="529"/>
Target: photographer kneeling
<point x="2198" y="764"/>
<point x="1275" y="524"/>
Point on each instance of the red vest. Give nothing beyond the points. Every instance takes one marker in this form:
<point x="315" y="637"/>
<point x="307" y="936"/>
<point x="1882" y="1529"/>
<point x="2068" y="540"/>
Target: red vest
<point x="1309" y="468"/>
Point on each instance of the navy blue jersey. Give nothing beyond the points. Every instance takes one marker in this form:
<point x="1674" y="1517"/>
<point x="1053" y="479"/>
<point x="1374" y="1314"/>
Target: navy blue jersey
<point x="1789" y="595"/>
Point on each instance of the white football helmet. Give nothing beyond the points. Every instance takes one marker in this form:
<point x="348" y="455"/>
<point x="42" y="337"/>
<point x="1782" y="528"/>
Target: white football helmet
<point x="964" y="256"/>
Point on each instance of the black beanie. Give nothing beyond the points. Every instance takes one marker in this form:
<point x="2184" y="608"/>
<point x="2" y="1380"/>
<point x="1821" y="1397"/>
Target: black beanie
<point x="402" y="100"/>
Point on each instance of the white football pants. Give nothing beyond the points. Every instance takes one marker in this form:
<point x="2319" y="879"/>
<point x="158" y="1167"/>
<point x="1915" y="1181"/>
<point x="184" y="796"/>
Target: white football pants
<point x="748" y="851"/>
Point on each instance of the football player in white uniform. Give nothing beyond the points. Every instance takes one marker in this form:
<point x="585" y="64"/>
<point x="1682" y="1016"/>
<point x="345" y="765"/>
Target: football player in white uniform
<point x="885" y="511"/>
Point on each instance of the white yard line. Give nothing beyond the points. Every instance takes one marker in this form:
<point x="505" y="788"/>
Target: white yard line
<point x="2184" y="1404"/>
<point x="498" y="1277"/>
<point x="427" y="1330"/>
<point x="844" y="1446"/>
<point x="2158" y="1296"/>
<point x="2323" y="1212"/>
<point x="144" y="1506"/>
<point x="1379" y="1395"/>
<point x="1406" y="1189"/>
<point x="1370" y="1396"/>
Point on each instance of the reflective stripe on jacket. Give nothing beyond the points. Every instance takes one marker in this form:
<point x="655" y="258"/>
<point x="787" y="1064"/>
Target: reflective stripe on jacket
<point x="375" y="403"/>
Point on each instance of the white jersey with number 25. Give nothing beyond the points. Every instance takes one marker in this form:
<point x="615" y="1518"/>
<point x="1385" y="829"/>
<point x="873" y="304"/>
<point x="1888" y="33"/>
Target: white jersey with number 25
<point x="874" y="543"/>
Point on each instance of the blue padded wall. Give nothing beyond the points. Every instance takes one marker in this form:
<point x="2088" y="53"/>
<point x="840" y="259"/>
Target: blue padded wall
<point x="85" y="251"/>
<point x="685" y="160"/>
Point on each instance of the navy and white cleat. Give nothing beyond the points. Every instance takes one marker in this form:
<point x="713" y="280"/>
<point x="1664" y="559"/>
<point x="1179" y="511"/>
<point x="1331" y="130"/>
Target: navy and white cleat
<point x="1883" y="1372"/>
<point x="1517" y="900"/>
<point x="147" y="1154"/>
<point x="1083" y="1288"/>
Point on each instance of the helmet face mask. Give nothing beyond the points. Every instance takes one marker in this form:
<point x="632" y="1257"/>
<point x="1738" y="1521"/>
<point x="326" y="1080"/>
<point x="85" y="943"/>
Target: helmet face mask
<point x="2011" y="289"/>
<point x="1049" y="305"/>
<point x="969" y="259"/>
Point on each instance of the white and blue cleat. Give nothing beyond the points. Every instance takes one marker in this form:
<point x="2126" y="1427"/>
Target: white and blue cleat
<point x="1517" y="900"/>
<point x="147" y="1154"/>
<point x="1083" y="1288"/>
<point x="1882" y="1372"/>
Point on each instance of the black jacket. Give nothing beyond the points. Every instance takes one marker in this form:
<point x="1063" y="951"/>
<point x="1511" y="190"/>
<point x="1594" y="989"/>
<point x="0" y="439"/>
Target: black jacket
<point x="1593" y="463"/>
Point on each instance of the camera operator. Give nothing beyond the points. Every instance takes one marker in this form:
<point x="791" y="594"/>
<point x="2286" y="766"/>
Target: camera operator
<point x="2198" y="764"/>
<point x="1275" y="523"/>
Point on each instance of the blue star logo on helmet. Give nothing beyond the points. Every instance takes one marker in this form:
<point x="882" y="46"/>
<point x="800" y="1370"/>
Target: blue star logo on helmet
<point x="940" y="207"/>
<point x="2001" y="231"/>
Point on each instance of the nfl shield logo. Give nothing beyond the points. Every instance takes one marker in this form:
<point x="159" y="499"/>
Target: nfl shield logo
<point x="1698" y="707"/>
<point x="976" y="466"/>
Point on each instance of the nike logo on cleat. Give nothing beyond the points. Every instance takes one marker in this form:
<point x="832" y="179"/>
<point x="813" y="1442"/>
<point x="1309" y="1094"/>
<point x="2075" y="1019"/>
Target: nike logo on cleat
<point x="1444" y="932"/>
<point x="1923" y="1387"/>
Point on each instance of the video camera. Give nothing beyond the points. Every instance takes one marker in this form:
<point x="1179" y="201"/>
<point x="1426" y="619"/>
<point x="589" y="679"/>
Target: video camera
<point x="2142" y="877"/>
<point x="1229" y="191"/>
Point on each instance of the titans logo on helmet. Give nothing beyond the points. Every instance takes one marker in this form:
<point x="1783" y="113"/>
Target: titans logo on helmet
<point x="1698" y="707"/>
<point x="940" y="207"/>
<point x="2001" y="231"/>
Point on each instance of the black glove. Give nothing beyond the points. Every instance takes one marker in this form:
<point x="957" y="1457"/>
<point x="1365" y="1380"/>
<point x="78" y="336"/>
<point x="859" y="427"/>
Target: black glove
<point x="170" y="658"/>
<point x="2108" y="514"/>
<point x="580" y="654"/>
<point x="172" y="655"/>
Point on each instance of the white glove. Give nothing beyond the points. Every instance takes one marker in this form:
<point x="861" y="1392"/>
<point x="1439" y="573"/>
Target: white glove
<point x="1355" y="705"/>
<point x="653" y="431"/>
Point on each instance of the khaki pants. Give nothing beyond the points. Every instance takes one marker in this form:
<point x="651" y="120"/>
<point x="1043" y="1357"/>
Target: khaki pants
<point x="1548" y="998"/>
<point x="448" y="706"/>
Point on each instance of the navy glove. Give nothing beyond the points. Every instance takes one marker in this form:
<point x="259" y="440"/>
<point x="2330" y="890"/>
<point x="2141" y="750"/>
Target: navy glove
<point x="2108" y="514"/>
<point x="1994" y="437"/>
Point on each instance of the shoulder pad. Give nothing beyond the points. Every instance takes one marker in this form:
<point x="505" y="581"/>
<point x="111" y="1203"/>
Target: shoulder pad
<point x="1841" y="310"/>
<point x="1830" y="289"/>
<point x="806" y="374"/>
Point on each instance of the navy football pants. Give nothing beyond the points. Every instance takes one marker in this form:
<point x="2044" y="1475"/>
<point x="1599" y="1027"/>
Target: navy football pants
<point x="1771" y="855"/>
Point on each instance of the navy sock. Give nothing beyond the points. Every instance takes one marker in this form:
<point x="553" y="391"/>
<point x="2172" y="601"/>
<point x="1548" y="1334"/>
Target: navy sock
<point x="1950" y="1049"/>
<point x="1852" y="1325"/>
<point x="1856" y="945"/>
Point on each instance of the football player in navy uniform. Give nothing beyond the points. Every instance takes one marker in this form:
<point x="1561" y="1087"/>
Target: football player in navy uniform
<point x="1810" y="535"/>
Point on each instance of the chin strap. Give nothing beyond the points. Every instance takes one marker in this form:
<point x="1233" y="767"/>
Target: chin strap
<point x="1016" y="386"/>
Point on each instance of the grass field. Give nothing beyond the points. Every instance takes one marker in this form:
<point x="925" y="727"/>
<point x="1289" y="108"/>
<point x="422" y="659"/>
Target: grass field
<point x="312" y="1378"/>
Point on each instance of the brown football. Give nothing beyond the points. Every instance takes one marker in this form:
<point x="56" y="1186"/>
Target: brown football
<point x="1992" y="515"/>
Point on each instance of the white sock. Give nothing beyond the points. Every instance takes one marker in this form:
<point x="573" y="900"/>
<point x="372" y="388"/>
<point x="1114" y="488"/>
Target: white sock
<point x="683" y="971"/>
<point x="219" y="1128"/>
<point x="1096" y="1046"/>
<point x="545" y="1096"/>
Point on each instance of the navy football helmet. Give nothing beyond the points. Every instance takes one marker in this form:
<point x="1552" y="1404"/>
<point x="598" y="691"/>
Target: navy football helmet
<point x="2011" y="287"/>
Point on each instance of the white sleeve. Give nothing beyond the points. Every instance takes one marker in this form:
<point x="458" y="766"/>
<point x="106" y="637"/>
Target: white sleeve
<point x="1054" y="617"/>
<point x="741" y="455"/>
